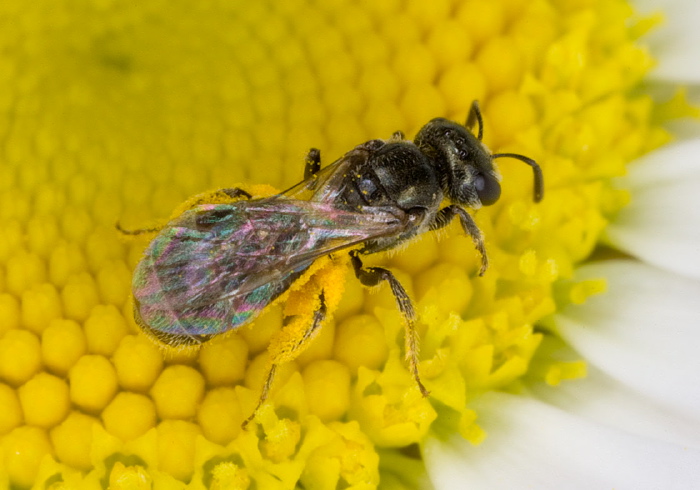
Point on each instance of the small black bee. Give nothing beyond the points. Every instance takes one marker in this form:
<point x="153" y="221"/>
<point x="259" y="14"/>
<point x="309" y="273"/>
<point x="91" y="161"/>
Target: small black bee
<point x="217" y="266"/>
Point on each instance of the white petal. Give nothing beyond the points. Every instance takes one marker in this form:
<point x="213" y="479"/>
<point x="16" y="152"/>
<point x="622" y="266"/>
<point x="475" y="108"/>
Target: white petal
<point x="662" y="223"/>
<point x="667" y="165"/>
<point x="644" y="332"/>
<point x="532" y="445"/>
<point x="675" y="44"/>
<point x="609" y="402"/>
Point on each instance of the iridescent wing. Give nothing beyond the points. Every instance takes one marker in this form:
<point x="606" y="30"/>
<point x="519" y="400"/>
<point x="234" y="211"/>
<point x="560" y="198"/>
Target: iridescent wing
<point x="331" y="180"/>
<point x="216" y="266"/>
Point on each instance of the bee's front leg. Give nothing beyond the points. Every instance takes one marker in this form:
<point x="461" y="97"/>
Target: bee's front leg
<point x="445" y="216"/>
<point x="372" y="276"/>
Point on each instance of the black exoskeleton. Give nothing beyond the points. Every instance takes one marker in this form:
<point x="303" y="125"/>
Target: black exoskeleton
<point x="444" y="161"/>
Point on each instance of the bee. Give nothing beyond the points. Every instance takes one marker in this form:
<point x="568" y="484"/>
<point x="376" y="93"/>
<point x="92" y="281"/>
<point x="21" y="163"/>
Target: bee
<point x="218" y="265"/>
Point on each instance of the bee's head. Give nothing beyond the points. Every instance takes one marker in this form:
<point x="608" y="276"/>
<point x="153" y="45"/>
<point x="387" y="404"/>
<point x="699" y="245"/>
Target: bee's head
<point x="468" y="175"/>
<point x="465" y="165"/>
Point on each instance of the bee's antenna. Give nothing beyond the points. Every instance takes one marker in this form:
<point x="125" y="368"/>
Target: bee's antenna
<point x="475" y="116"/>
<point x="539" y="179"/>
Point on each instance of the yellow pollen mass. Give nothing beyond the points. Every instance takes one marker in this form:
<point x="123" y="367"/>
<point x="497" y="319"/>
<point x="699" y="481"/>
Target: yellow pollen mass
<point x="120" y="114"/>
<point x="229" y="475"/>
<point x="346" y="459"/>
<point x="129" y="478"/>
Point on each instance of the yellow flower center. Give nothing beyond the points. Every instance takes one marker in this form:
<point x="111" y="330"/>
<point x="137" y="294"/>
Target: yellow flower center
<point x="115" y="112"/>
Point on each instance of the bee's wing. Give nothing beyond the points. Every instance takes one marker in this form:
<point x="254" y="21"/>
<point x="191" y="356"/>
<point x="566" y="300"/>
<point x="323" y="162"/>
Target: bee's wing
<point x="332" y="179"/>
<point x="217" y="265"/>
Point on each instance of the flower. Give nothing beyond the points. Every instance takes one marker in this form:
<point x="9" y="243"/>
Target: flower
<point x="116" y="113"/>
<point x="632" y="421"/>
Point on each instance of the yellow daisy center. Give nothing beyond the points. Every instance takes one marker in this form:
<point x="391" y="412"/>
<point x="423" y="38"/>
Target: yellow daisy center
<point x="112" y="112"/>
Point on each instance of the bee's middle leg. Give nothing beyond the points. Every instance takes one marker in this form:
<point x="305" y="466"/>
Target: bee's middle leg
<point x="312" y="163"/>
<point x="372" y="276"/>
<point x="292" y="346"/>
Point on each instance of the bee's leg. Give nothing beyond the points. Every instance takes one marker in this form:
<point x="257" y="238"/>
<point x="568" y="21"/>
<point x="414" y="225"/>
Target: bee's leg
<point x="140" y="231"/>
<point x="398" y="136"/>
<point x="221" y="195"/>
<point x="263" y="395"/>
<point x="291" y="347"/>
<point x="312" y="163"/>
<point x="372" y="276"/>
<point x="444" y="217"/>
<point x="235" y="193"/>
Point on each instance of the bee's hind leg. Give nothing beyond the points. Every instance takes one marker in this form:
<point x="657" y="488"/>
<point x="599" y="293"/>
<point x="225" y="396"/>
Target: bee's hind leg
<point x="288" y="345"/>
<point x="235" y="193"/>
<point x="227" y="195"/>
<point x="372" y="276"/>
<point x="263" y="395"/>
<point x="219" y="196"/>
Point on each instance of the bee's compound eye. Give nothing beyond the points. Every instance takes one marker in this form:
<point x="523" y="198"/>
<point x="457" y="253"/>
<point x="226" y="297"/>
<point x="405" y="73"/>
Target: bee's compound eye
<point x="487" y="188"/>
